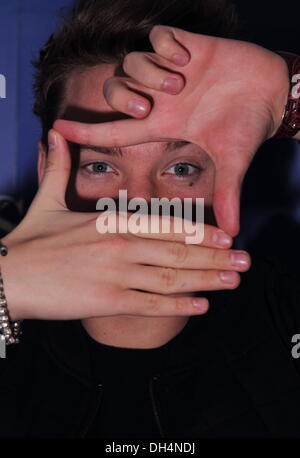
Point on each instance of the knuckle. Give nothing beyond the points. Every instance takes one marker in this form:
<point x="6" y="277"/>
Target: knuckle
<point x="179" y="252"/>
<point x="180" y="305"/>
<point x="126" y="62"/>
<point x="118" y="245"/>
<point x="129" y="59"/>
<point x="99" y="254"/>
<point x="112" y="91"/>
<point x="163" y="42"/>
<point x="112" y="97"/>
<point x="152" y="303"/>
<point x="163" y="45"/>
<point x="215" y="258"/>
<point x="115" y="297"/>
<point x="168" y="278"/>
<point x="119" y="300"/>
<point x="50" y="167"/>
<point x="115" y="134"/>
<point x="93" y="248"/>
<point x="85" y="135"/>
<point x="107" y="88"/>
<point x="156" y="30"/>
<point x="210" y="280"/>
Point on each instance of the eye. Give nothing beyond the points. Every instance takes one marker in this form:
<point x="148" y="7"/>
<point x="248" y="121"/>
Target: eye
<point x="182" y="169"/>
<point x="98" y="168"/>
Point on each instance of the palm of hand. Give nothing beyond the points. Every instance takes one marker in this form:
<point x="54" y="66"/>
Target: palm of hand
<point x="232" y="102"/>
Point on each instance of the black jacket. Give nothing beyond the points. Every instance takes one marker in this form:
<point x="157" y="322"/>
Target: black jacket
<point x="233" y="374"/>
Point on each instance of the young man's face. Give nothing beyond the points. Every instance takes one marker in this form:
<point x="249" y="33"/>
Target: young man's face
<point x="148" y="170"/>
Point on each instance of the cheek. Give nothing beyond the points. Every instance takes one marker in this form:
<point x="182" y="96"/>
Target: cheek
<point x="94" y="188"/>
<point x="201" y="188"/>
<point x="205" y="187"/>
<point x="83" y="194"/>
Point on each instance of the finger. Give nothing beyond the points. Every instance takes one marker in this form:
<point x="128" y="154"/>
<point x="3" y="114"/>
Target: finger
<point x="165" y="44"/>
<point x="147" y="304"/>
<point x="122" y="98"/>
<point x="179" y="230"/>
<point x="116" y="133"/>
<point x="57" y="173"/>
<point x="180" y="255"/>
<point x="120" y="223"/>
<point x="172" y="281"/>
<point x="146" y="68"/>
<point x="226" y="197"/>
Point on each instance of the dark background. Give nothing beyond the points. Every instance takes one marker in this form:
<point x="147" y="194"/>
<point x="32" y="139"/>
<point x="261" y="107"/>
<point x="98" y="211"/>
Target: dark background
<point x="271" y="197"/>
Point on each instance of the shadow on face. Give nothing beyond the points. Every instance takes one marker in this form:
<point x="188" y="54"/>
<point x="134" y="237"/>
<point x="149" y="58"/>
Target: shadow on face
<point x="157" y="169"/>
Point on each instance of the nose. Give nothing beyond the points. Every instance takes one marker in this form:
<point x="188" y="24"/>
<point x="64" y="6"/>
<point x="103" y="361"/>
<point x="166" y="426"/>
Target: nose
<point x="141" y="187"/>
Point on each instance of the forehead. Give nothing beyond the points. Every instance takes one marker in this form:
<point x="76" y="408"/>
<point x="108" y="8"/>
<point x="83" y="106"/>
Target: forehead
<point x="83" y="97"/>
<point x="84" y="102"/>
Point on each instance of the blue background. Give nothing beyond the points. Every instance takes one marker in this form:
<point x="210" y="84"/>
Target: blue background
<point x="24" y="28"/>
<point x="271" y="201"/>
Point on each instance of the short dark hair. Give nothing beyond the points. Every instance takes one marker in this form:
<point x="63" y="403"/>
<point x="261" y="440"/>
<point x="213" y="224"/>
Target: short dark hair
<point x="104" y="31"/>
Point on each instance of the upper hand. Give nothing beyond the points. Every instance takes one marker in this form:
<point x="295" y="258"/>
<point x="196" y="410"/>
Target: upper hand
<point x="230" y="99"/>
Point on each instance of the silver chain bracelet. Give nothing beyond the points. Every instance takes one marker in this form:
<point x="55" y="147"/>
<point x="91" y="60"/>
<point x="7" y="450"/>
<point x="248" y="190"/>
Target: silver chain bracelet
<point x="9" y="330"/>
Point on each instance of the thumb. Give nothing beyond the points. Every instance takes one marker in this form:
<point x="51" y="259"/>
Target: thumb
<point x="57" y="173"/>
<point x="226" y="199"/>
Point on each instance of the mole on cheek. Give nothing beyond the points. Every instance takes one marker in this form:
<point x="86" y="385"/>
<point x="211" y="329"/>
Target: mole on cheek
<point x="191" y="184"/>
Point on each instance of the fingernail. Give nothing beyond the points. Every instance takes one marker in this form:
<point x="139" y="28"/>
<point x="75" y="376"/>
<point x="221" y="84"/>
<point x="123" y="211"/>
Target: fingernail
<point x="137" y="108"/>
<point x="180" y="59"/>
<point x="171" y="85"/>
<point x="200" y="303"/>
<point x="228" y="276"/>
<point x="222" y="239"/>
<point x="240" y="259"/>
<point x="52" y="140"/>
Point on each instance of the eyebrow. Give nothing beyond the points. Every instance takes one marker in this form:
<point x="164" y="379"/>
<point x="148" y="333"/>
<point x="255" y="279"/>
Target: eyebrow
<point x="115" y="151"/>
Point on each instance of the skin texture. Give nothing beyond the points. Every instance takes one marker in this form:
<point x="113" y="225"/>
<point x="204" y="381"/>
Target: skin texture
<point x="101" y="276"/>
<point x="141" y="171"/>
<point x="118" y="301"/>
<point x="232" y="100"/>
<point x="145" y="171"/>
<point x="59" y="267"/>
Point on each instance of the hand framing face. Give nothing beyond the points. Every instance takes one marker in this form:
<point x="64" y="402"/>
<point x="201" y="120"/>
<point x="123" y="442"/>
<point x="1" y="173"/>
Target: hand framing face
<point x="227" y="97"/>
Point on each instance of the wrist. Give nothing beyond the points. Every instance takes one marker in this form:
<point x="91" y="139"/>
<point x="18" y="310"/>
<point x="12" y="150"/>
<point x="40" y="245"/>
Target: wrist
<point x="9" y="327"/>
<point x="8" y="271"/>
<point x="290" y="122"/>
<point x="280" y="97"/>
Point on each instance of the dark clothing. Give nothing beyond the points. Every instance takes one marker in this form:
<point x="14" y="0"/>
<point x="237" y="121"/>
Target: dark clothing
<point x="124" y="375"/>
<point x="229" y="373"/>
